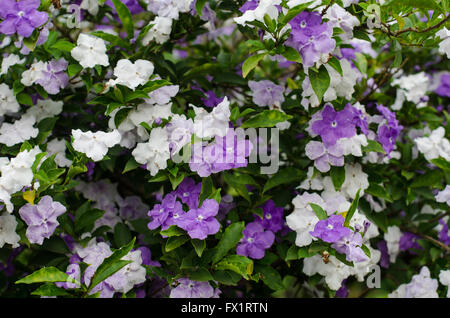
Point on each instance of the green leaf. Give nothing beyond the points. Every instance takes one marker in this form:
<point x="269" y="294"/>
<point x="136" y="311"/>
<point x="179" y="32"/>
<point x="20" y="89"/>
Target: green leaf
<point x="111" y="265"/>
<point x="121" y="115"/>
<point x="50" y="290"/>
<point x="240" y="188"/>
<point x="199" y="6"/>
<point x="293" y="12"/>
<point x="122" y="234"/>
<point x="321" y="214"/>
<point x="378" y="191"/>
<point x="131" y="165"/>
<point x="361" y="62"/>
<point x="251" y="63"/>
<point x="270" y="276"/>
<point x="365" y="250"/>
<point x="283" y="176"/>
<point x="24" y="99"/>
<point x="373" y="146"/>
<point x="352" y="209"/>
<point x="292" y="54"/>
<point x="338" y="177"/>
<point x="125" y="17"/>
<point x="320" y="81"/>
<point x="419" y="4"/>
<point x="441" y="163"/>
<point x="206" y="190"/>
<point x="175" y="241"/>
<point x="175" y="181"/>
<point x="47" y="275"/>
<point x="111" y="38"/>
<point x="267" y="118"/>
<point x="173" y="230"/>
<point x="63" y="45"/>
<point x="429" y="179"/>
<point x="199" y="246"/>
<point x="238" y="264"/>
<point x="74" y="69"/>
<point x="87" y="220"/>
<point x="201" y="275"/>
<point x="336" y="64"/>
<point x="230" y="238"/>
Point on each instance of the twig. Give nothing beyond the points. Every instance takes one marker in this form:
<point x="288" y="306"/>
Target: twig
<point x="327" y="7"/>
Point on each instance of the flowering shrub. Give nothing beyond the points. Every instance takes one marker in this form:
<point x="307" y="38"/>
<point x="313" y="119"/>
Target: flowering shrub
<point x="211" y="148"/>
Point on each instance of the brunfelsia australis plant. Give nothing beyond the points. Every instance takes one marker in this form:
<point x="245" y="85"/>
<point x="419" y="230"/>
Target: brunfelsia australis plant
<point x="284" y="148"/>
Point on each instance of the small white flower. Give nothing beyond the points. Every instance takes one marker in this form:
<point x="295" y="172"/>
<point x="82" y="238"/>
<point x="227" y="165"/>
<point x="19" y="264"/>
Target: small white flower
<point x="160" y="32"/>
<point x="412" y="88"/>
<point x="18" y="132"/>
<point x="444" y="278"/>
<point x="90" y="51"/>
<point x="132" y="74"/>
<point x="420" y="286"/>
<point x="214" y="123"/>
<point x="155" y="152"/>
<point x="434" y="146"/>
<point x="95" y="145"/>
<point x="340" y="18"/>
<point x="9" y="61"/>
<point x="264" y="7"/>
<point x="8" y="224"/>
<point x="133" y="273"/>
<point x="444" y="46"/>
<point x="58" y="147"/>
<point x="180" y="131"/>
<point x="8" y="102"/>
<point x="355" y="179"/>
<point x="392" y="238"/>
<point x="29" y="77"/>
<point x="163" y="95"/>
<point x="90" y="5"/>
<point x="45" y="109"/>
<point x="352" y="146"/>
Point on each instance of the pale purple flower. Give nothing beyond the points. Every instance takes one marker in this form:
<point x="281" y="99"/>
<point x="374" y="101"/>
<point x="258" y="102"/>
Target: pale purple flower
<point x="408" y="241"/>
<point x="334" y="125"/>
<point x="54" y="78"/>
<point x="350" y="245"/>
<point x="132" y="208"/>
<point x="211" y="100"/>
<point x="162" y="213"/>
<point x="201" y="222"/>
<point x="384" y="258"/>
<point x="444" y="87"/>
<point x="21" y="17"/>
<point x="266" y="93"/>
<point x="249" y="5"/>
<point x="147" y="257"/>
<point x="133" y="6"/>
<point x="311" y="37"/>
<point x="444" y="234"/>
<point x="331" y="230"/>
<point x="388" y="133"/>
<point x="74" y="271"/>
<point x="189" y="192"/>
<point x="255" y="241"/>
<point x="444" y="195"/>
<point x="324" y="157"/>
<point x="272" y="217"/>
<point x="342" y="292"/>
<point x="41" y="218"/>
<point x="192" y="289"/>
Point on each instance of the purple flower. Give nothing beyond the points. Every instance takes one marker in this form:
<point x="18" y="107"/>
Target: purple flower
<point x="74" y="271"/>
<point x="54" y="78"/>
<point x="133" y="6"/>
<point x="212" y="99"/>
<point x="384" y="259"/>
<point x="147" y="257"/>
<point x="21" y="17"/>
<point x="334" y="125"/>
<point x="132" y="208"/>
<point x="444" y="87"/>
<point x="311" y="37"/>
<point x="163" y="214"/>
<point x="342" y="292"/>
<point x="331" y="230"/>
<point x="199" y="223"/>
<point x="249" y="5"/>
<point x="359" y="119"/>
<point x="408" y="241"/>
<point x="266" y="93"/>
<point x="189" y="192"/>
<point x="191" y="289"/>
<point x="324" y="157"/>
<point x="41" y="218"/>
<point x="350" y="245"/>
<point x="388" y="133"/>
<point x="272" y="217"/>
<point x="255" y="241"/>
<point x="444" y="236"/>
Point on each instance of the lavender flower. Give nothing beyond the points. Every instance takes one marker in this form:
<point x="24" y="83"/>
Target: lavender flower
<point x="266" y="93"/>
<point x="21" y="17"/>
<point x="350" y="245"/>
<point x="54" y="78"/>
<point x="163" y="213"/>
<point x="311" y="37"/>
<point x="191" y="289"/>
<point x="41" y="218"/>
<point x="334" y="125"/>
<point x="408" y="241"/>
<point x="444" y="87"/>
<point x="331" y="230"/>
<point x="324" y="157"/>
<point x="272" y="217"/>
<point x="199" y="223"/>
<point x="388" y="133"/>
<point x="255" y="241"/>
<point x="189" y="192"/>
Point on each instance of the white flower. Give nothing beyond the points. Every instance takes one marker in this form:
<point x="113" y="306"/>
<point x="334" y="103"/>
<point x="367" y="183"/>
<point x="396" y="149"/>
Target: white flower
<point x="9" y="61"/>
<point x="58" y="147"/>
<point x="155" y="152"/>
<point x="21" y="130"/>
<point x="313" y="182"/>
<point x="16" y="174"/>
<point x="303" y="219"/>
<point x="355" y="179"/>
<point x="169" y="8"/>
<point x="392" y="238"/>
<point x="444" y="195"/>
<point x="180" y="131"/>
<point x="90" y="5"/>
<point x="34" y="73"/>
<point x="434" y="146"/>
<point x="214" y="123"/>
<point x="132" y="74"/>
<point x="44" y="109"/>
<point x="347" y="3"/>
<point x="163" y="95"/>
<point x="421" y="286"/>
<point x="352" y="146"/>
<point x="264" y="7"/>
<point x="148" y="113"/>
<point x="334" y="271"/>
<point x="444" y="278"/>
<point x="8" y="224"/>
<point x="8" y="102"/>
<point x="133" y="273"/>
<point x="94" y="145"/>
<point x="160" y="32"/>
<point x="412" y="88"/>
<point x="294" y="3"/>
<point x="444" y="46"/>
<point x="90" y="51"/>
